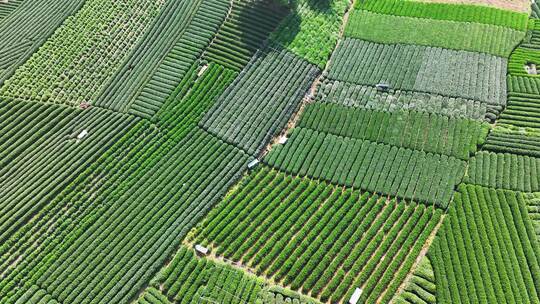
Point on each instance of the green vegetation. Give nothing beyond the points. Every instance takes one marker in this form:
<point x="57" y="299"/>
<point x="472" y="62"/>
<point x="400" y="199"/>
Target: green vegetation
<point x="248" y="24"/>
<point x="414" y="130"/>
<point x="368" y="97"/>
<point x="532" y="201"/>
<point x="312" y="30"/>
<point x="297" y="231"/>
<point x="26" y="25"/>
<point x="486" y="250"/>
<point x="476" y="37"/>
<point x="421" y="286"/>
<point x="380" y="168"/>
<point x="506" y="171"/>
<point x="447" y="11"/>
<point x="75" y="63"/>
<point x="249" y="118"/>
<point x="422" y="69"/>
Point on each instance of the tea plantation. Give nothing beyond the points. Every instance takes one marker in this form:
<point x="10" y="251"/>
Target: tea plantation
<point x="269" y="151"/>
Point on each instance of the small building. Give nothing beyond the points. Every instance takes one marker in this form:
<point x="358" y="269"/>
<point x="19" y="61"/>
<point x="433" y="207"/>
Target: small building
<point x="382" y="87"/>
<point x="355" y="296"/>
<point x="201" y="250"/>
<point x="82" y="134"/>
<point x="252" y="164"/>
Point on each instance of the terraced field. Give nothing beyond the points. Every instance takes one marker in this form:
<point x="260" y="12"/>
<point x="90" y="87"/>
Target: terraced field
<point x="269" y="151"/>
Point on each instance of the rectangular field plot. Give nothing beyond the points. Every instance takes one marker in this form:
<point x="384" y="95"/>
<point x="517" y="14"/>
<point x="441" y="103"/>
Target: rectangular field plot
<point x="486" y="250"/>
<point x="414" y="130"/>
<point x="322" y="239"/>
<point x="424" y="69"/>
<point x="261" y="100"/>
<point x="474" y="37"/>
<point x="371" y="166"/>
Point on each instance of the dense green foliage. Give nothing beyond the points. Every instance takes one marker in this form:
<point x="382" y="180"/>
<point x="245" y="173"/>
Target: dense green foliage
<point x="163" y="57"/>
<point x="319" y="238"/>
<point x="515" y="140"/>
<point x="486" y="250"/>
<point x="75" y="63"/>
<point x="248" y="24"/>
<point x="423" y="69"/>
<point x="532" y="201"/>
<point x="363" y="96"/>
<point x="421" y="286"/>
<point x="506" y="171"/>
<point x="150" y="188"/>
<point x="447" y="11"/>
<point x="367" y="165"/>
<point x="40" y="153"/>
<point x="261" y="100"/>
<point x="475" y="37"/>
<point x="414" y="130"/>
<point x="26" y="25"/>
<point x="312" y="30"/>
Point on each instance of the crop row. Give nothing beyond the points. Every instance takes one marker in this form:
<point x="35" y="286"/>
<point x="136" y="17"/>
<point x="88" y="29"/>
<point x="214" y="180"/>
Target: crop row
<point x="355" y="95"/>
<point x="40" y="153"/>
<point x="474" y="37"/>
<point x="116" y="224"/>
<point x="24" y="29"/>
<point x="248" y="24"/>
<point x="156" y="45"/>
<point x="415" y="130"/>
<point x="532" y="40"/>
<point x="523" y="108"/>
<point x="421" y="286"/>
<point x="312" y="30"/>
<point x="36" y="295"/>
<point x="486" y="250"/>
<point x="448" y="11"/>
<point x="152" y="296"/>
<point x="532" y="201"/>
<point x="261" y="100"/>
<point x="189" y="279"/>
<point x="75" y="63"/>
<point x="509" y="139"/>
<point x="363" y="164"/>
<point x="506" y="171"/>
<point x="298" y="232"/>
<point x="423" y="69"/>
<point x="8" y="8"/>
<point x="520" y="58"/>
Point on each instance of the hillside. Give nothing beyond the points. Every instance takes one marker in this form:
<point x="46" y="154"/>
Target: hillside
<point x="269" y="151"/>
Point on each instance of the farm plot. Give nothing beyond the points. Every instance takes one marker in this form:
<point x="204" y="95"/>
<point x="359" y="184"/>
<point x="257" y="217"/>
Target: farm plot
<point x="532" y="201"/>
<point x="532" y="41"/>
<point x="24" y="30"/>
<point x="75" y="63"/>
<point x="261" y="100"/>
<point x="523" y="108"/>
<point x="136" y="201"/>
<point x="152" y="296"/>
<point x="414" y="130"/>
<point x="135" y="228"/>
<point x="447" y="11"/>
<point x="369" y="166"/>
<point x="505" y="171"/>
<point x="189" y="279"/>
<point x="421" y="287"/>
<point x="367" y="97"/>
<point x="153" y="48"/>
<point x="424" y="69"/>
<point x="474" y="37"/>
<point x="297" y="232"/>
<point x="312" y="23"/>
<point x="43" y="149"/>
<point x="486" y="250"/>
<point x="521" y="61"/>
<point x="8" y="8"/>
<point x="509" y="139"/>
<point x="248" y="24"/>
